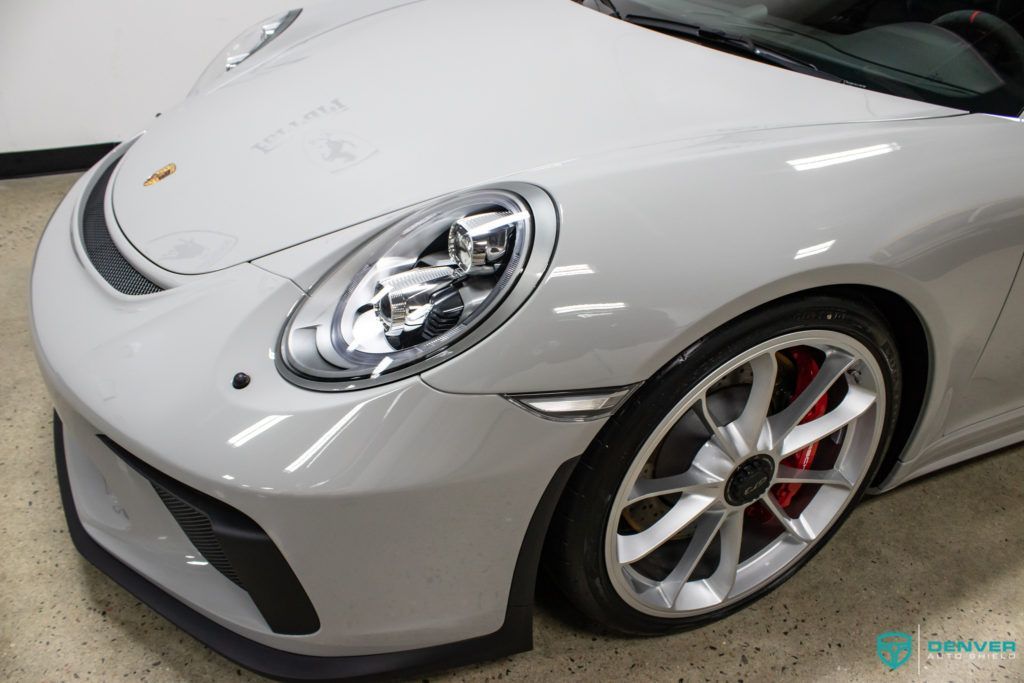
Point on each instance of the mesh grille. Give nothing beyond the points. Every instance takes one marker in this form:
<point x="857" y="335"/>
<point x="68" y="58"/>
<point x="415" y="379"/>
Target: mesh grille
<point x="102" y="251"/>
<point x="196" y="526"/>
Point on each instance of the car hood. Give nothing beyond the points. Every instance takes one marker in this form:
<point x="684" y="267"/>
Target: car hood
<point x="385" y="104"/>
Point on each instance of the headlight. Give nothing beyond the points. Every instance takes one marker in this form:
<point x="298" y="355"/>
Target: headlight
<point x="242" y="47"/>
<point x="421" y="291"/>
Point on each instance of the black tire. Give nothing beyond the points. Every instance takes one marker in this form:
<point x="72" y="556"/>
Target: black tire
<point x="574" y="553"/>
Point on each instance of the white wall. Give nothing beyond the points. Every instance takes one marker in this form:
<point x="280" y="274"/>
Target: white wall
<point x="78" y="72"/>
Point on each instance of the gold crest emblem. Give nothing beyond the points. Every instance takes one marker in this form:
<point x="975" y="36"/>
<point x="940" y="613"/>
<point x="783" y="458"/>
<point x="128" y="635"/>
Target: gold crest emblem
<point x="162" y="173"/>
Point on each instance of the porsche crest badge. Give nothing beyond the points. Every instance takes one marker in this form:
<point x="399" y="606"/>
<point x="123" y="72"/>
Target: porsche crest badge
<point x="160" y="174"/>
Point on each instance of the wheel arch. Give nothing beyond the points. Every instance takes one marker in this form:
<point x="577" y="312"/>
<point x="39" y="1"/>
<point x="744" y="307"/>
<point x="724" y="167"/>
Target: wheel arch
<point x="914" y="346"/>
<point x="913" y="341"/>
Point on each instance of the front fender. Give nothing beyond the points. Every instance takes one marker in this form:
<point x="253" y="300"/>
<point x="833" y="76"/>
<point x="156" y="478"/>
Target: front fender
<point x="661" y="245"/>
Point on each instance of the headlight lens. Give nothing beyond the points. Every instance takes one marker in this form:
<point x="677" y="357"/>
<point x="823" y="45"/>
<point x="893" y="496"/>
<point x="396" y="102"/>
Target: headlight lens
<point x="421" y="291"/>
<point x="242" y="47"/>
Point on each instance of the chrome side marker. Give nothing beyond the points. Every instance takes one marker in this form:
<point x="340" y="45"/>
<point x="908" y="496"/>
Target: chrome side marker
<point x="574" y="406"/>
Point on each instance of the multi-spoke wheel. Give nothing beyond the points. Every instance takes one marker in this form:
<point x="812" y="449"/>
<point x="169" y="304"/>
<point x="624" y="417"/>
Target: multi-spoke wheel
<point x="730" y="468"/>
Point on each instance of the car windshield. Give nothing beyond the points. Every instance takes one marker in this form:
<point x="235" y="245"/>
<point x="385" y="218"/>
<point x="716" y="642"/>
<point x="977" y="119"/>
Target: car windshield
<point x="965" y="55"/>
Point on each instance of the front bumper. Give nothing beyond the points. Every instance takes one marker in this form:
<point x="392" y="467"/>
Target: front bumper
<point x="401" y="510"/>
<point x="515" y="634"/>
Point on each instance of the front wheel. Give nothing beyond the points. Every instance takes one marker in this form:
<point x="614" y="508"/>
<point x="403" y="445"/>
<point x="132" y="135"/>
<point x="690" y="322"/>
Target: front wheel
<point x="729" y="469"/>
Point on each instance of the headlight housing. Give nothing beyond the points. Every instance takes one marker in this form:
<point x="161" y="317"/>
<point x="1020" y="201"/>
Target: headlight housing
<point x="423" y="290"/>
<point x="243" y="47"/>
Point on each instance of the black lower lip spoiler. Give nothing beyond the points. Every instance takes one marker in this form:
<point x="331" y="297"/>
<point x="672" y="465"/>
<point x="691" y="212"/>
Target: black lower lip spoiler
<point x="515" y="635"/>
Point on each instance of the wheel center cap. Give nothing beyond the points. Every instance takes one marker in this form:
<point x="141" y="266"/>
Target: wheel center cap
<point x="750" y="480"/>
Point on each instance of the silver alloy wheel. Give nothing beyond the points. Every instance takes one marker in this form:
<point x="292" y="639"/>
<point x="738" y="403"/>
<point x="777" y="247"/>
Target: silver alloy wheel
<point x="696" y="546"/>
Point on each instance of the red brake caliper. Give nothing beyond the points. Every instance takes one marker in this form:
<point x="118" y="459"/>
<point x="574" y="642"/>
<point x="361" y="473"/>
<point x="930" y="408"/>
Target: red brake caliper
<point x="806" y="368"/>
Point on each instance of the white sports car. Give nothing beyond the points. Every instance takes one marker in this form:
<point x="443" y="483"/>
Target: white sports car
<point x="409" y="298"/>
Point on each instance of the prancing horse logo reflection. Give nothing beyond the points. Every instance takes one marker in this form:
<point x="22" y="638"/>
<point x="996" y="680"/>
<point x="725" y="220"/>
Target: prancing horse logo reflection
<point x="337" y="150"/>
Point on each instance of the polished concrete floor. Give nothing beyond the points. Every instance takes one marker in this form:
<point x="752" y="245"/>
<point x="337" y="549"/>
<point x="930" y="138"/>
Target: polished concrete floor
<point x="945" y="554"/>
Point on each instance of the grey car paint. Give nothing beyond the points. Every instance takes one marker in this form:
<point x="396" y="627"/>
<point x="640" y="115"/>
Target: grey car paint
<point x="910" y="221"/>
<point x="675" y="217"/>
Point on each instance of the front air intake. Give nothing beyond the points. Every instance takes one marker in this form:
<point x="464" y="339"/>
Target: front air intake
<point x="196" y="525"/>
<point x="236" y="546"/>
